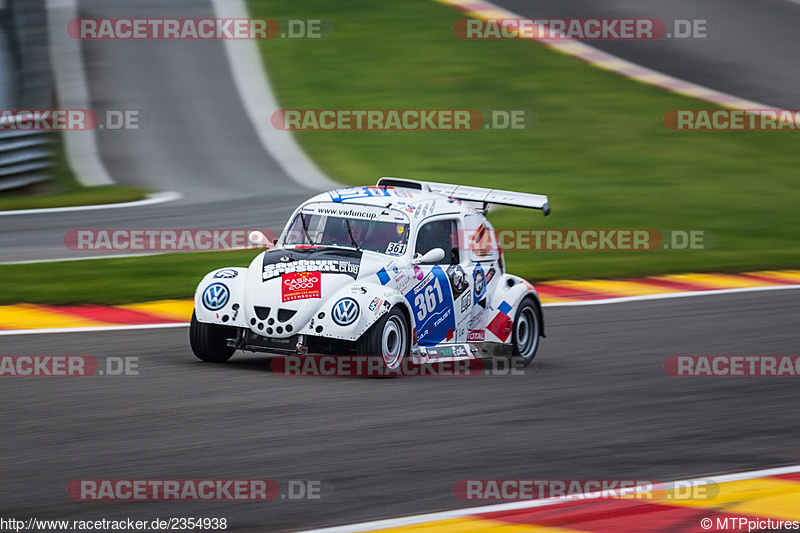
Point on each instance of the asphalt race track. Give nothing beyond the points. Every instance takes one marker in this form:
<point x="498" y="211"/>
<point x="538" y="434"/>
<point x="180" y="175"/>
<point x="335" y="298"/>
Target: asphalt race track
<point x="750" y="50"/>
<point x="199" y="142"/>
<point x="41" y="237"/>
<point x="600" y="405"/>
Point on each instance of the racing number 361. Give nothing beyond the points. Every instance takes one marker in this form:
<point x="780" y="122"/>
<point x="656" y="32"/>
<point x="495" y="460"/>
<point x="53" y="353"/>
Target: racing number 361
<point x="426" y="301"/>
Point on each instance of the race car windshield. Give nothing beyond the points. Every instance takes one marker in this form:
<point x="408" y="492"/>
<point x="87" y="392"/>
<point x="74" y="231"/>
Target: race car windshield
<point x="389" y="238"/>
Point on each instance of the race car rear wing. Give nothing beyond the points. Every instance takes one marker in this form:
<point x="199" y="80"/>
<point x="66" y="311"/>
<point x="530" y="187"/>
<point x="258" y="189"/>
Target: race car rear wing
<point x="473" y="194"/>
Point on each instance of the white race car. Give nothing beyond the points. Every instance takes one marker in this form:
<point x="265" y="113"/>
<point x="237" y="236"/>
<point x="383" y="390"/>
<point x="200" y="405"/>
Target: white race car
<point x="402" y="269"/>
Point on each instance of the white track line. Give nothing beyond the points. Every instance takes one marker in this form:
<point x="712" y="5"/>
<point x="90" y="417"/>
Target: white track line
<point x="460" y="513"/>
<point x="566" y="304"/>
<point x="73" y="93"/>
<point x="152" y="199"/>
<point x="665" y="296"/>
<point x="9" y="332"/>
<point x="259" y="102"/>
<point x="595" y="56"/>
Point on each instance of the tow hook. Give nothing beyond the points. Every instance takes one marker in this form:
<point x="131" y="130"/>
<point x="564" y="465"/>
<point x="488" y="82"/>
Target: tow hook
<point x="301" y="348"/>
<point x="241" y="339"/>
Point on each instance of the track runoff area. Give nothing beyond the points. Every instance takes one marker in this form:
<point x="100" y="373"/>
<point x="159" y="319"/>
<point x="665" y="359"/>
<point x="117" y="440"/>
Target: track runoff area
<point x="20" y="319"/>
<point x="762" y="500"/>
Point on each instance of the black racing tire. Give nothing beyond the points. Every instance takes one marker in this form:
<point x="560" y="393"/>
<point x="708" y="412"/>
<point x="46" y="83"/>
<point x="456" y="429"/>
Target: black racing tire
<point x="209" y="341"/>
<point x="526" y="331"/>
<point x="388" y="338"/>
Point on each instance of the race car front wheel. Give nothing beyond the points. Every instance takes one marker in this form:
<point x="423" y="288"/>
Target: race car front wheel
<point x="526" y="330"/>
<point x="387" y="338"/>
<point x="209" y="341"/>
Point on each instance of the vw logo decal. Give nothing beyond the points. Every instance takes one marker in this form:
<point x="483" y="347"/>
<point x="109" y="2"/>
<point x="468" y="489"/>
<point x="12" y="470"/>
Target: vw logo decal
<point x="345" y="311"/>
<point x="215" y="296"/>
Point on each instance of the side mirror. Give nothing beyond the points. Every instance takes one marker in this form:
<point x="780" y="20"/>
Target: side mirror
<point x="431" y="256"/>
<point x="256" y="237"/>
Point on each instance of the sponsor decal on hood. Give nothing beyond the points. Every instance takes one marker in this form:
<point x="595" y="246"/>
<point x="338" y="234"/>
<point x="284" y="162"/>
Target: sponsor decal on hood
<point x="300" y="286"/>
<point x="325" y="261"/>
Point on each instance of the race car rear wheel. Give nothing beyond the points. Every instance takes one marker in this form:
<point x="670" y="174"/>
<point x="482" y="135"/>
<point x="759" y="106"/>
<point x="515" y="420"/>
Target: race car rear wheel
<point x="388" y="338"/>
<point x="209" y="341"/>
<point x="526" y="330"/>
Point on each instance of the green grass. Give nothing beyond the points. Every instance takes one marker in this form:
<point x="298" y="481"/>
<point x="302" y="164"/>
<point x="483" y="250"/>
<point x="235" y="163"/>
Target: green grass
<point x="114" y="281"/>
<point x="107" y="194"/>
<point x="64" y="190"/>
<point x="600" y="150"/>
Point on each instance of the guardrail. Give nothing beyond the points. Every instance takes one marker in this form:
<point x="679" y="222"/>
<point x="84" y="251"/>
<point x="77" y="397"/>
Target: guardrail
<point x="26" y="156"/>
